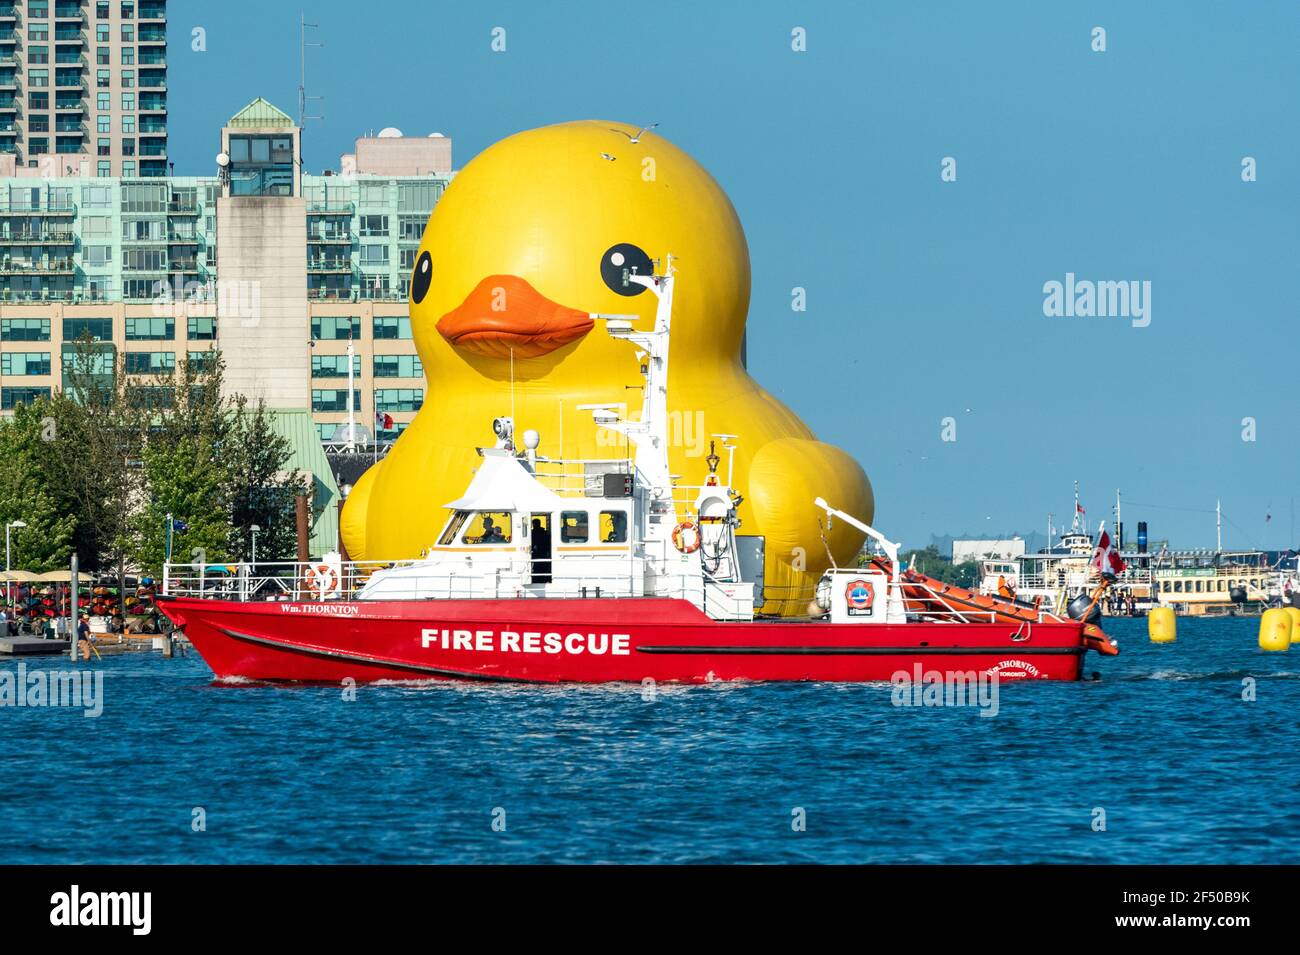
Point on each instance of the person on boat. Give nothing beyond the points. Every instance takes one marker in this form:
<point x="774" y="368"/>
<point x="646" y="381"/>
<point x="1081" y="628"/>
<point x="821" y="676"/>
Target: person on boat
<point x="540" y="551"/>
<point x="491" y="533"/>
<point x="617" y="528"/>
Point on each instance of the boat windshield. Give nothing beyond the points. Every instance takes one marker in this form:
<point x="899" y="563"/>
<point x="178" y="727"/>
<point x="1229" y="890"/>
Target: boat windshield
<point x="481" y="527"/>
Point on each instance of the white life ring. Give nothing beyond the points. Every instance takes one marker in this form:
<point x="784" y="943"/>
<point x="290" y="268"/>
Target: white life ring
<point x="686" y="537"/>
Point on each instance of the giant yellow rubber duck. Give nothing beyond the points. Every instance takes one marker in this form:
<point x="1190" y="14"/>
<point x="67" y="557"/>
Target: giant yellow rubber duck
<point x="531" y="237"/>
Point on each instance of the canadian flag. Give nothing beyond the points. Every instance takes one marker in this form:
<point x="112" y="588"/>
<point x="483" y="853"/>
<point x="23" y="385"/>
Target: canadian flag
<point x="383" y="421"/>
<point x="1105" y="560"/>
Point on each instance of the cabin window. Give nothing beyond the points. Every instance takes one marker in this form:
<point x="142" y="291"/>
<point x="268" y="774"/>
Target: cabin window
<point x="573" y="527"/>
<point x="489" y="527"/>
<point x="613" y="527"/>
<point x="1200" y="586"/>
<point x="453" y="528"/>
<point x="1178" y="586"/>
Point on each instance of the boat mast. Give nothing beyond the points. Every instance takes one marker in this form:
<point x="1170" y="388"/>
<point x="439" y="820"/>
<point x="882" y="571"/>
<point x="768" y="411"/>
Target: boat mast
<point x="1218" y="527"/>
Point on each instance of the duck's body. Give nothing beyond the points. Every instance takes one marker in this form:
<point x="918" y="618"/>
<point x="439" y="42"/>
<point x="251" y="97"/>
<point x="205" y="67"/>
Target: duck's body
<point x="532" y="237"/>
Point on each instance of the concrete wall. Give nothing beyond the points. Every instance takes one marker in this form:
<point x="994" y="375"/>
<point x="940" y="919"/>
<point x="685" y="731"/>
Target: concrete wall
<point x="262" y="321"/>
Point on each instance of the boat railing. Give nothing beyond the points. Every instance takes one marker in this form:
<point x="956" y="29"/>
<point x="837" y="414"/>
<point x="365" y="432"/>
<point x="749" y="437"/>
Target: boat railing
<point x="304" y="581"/>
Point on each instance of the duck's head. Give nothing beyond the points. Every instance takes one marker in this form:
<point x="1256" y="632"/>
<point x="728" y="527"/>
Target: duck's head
<point x="536" y="232"/>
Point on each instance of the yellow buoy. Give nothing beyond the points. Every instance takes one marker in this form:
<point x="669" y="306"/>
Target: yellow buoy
<point x="1294" y="614"/>
<point x="1275" y="630"/>
<point x="1162" y="625"/>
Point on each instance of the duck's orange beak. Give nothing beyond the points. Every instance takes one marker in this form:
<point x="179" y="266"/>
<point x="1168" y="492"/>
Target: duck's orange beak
<point x="505" y="315"/>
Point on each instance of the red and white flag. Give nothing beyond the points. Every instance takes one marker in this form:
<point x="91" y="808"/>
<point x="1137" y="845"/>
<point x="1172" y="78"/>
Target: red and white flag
<point x="383" y="421"/>
<point x="1105" y="560"/>
<point x="1078" y="509"/>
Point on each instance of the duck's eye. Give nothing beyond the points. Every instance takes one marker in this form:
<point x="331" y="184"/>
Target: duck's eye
<point x="621" y="259"/>
<point x="422" y="277"/>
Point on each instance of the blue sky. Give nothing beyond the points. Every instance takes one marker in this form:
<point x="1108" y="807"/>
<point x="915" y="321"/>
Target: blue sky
<point x="925" y="298"/>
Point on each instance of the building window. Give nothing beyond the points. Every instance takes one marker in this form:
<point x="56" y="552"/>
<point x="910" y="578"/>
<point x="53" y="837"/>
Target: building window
<point x="410" y="230"/>
<point x="201" y="329"/>
<point x="398" y="366"/>
<point x="103" y="34"/>
<point x="25" y="329"/>
<point x="128" y="169"/>
<point x="399" y="399"/>
<point x="128" y="56"/>
<point x="150" y="329"/>
<point x="128" y="102"/>
<point x="374" y="254"/>
<point x="25" y="363"/>
<point x="150" y="362"/>
<point x="103" y="124"/>
<point x="418" y="196"/>
<point x="128" y="147"/>
<point x="38" y="31"/>
<point x="102" y="56"/>
<point x="104" y="146"/>
<point x="128" y="124"/>
<point x="99" y="329"/>
<point x="333" y="399"/>
<point x="104" y="169"/>
<point x="128" y="11"/>
<point x="102" y="8"/>
<point x="103" y="78"/>
<point x="201" y="361"/>
<point x="128" y="79"/>
<point x="374" y="225"/>
<point x="334" y="366"/>
<point x="38" y="77"/>
<point x="96" y="256"/>
<point x="392" y="326"/>
<point x="38" y="101"/>
<point x="333" y="328"/>
<point x="103" y="101"/>
<point x="128" y="33"/>
<point x="38" y="123"/>
<point x="10" y="398"/>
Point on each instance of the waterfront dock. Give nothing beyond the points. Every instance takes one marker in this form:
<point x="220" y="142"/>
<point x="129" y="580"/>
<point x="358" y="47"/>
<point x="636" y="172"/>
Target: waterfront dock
<point x="31" y="646"/>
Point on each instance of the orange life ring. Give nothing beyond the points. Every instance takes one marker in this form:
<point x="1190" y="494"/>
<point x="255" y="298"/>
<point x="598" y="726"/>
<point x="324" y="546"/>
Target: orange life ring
<point x="684" y="543"/>
<point x="322" y="579"/>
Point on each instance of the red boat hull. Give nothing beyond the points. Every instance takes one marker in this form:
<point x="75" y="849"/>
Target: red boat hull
<point x="618" y="640"/>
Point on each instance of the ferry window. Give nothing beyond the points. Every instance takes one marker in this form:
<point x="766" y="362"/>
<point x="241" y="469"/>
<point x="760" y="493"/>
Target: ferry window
<point x="613" y="527"/>
<point x="489" y="527"/>
<point x="453" y="528"/>
<point x="573" y="527"/>
<point x="1178" y="586"/>
<point x="1200" y="587"/>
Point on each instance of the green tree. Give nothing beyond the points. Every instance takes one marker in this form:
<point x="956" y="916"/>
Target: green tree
<point x="25" y="495"/>
<point x="261" y="492"/>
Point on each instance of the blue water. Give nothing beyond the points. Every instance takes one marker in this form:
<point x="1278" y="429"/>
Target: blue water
<point x="1185" y="770"/>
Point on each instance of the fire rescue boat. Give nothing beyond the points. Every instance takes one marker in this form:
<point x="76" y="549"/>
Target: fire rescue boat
<point x="603" y="571"/>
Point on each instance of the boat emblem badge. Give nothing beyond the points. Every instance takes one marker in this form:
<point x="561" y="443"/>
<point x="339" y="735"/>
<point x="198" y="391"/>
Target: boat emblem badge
<point x="860" y="595"/>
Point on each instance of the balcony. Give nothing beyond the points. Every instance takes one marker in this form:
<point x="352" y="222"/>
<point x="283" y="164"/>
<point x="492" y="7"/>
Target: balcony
<point x="9" y="106"/>
<point x="330" y="209"/>
<point x="21" y="209"/>
<point x="62" y="35"/>
<point x="330" y="238"/>
<point x="69" y="106"/>
<point x="43" y="237"/>
<point x="69" y="83"/>
<point x="147" y="13"/>
<point x="153" y="106"/>
<point x="152" y="36"/>
<point x="177" y="239"/>
<point x="329" y="266"/>
<point x="154" y="82"/>
<point x="63" y="127"/>
<point x="44" y="267"/>
<point x="152" y="61"/>
<point x="175" y="208"/>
